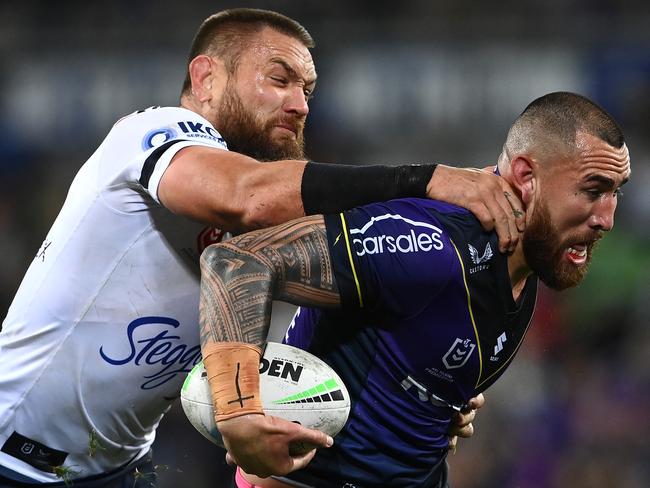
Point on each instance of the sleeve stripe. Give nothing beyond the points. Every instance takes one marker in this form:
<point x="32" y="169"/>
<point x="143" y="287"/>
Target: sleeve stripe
<point x="152" y="159"/>
<point x="471" y="315"/>
<point x="349" y="249"/>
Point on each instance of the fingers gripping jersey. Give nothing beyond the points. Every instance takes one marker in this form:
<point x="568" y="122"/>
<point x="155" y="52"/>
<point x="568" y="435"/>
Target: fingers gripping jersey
<point x="105" y="323"/>
<point x="428" y="321"/>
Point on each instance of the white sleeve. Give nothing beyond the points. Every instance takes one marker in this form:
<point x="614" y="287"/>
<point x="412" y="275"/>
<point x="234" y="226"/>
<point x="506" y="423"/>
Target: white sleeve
<point x="140" y="146"/>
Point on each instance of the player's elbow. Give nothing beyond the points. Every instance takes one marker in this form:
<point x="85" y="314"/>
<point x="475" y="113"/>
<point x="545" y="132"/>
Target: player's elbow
<point x="210" y="257"/>
<point x="215" y="263"/>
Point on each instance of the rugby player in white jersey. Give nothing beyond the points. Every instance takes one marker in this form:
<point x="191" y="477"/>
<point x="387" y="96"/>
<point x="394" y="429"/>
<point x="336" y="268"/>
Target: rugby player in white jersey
<point x="104" y="326"/>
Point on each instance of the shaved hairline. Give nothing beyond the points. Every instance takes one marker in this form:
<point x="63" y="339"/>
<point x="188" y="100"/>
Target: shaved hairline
<point x="550" y="125"/>
<point x="229" y="33"/>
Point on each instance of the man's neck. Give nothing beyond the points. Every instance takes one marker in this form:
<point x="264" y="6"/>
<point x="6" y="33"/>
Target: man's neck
<point x="518" y="270"/>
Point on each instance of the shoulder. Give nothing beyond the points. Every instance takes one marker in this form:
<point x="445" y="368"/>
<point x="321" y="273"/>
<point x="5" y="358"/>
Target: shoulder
<point x="412" y="225"/>
<point x="417" y="213"/>
<point x="155" y="126"/>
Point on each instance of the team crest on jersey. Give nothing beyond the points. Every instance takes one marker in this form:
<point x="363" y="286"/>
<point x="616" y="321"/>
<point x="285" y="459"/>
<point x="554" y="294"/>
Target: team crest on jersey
<point x="207" y="237"/>
<point x="458" y="353"/>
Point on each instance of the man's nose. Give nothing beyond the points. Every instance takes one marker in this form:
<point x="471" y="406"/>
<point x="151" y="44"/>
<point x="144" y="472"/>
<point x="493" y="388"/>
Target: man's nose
<point x="297" y="102"/>
<point x="602" y="218"/>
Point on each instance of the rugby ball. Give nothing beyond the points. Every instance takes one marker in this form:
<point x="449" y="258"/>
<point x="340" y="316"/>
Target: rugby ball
<point x="294" y="385"/>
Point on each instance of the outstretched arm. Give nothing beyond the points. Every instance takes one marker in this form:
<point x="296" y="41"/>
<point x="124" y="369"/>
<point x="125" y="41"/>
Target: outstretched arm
<point x="238" y="193"/>
<point x="239" y="281"/>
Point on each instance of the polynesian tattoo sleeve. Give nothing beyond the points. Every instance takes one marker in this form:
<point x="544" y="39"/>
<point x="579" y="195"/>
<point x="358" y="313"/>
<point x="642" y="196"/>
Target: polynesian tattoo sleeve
<point x="241" y="278"/>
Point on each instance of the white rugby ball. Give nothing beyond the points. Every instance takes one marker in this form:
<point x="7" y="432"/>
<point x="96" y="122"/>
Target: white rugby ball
<point x="294" y="385"/>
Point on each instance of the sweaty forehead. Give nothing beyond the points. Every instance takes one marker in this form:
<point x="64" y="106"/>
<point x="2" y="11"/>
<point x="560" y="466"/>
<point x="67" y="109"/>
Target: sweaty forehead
<point x="594" y="154"/>
<point x="270" y="46"/>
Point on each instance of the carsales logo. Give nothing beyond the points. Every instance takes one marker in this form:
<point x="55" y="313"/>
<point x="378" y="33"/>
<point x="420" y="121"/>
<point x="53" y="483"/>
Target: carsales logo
<point x="423" y="237"/>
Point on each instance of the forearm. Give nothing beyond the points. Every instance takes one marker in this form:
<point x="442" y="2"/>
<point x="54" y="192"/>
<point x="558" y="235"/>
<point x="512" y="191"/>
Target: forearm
<point x="233" y="324"/>
<point x="275" y="194"/>
<point x="241" y="278"/>
<point x="239" y="281"/>
<point x="235" y="297"/>
<point x="330" y="188"/>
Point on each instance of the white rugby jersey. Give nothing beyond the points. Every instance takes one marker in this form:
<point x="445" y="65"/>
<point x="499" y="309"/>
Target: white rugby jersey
<point x="105" y="326"/>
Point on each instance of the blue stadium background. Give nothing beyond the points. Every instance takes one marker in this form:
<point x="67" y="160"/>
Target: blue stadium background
<point x="410" y="81"/>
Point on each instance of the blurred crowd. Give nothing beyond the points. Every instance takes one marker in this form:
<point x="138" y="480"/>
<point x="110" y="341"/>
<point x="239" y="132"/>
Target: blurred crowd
<point x="410" y="82"/>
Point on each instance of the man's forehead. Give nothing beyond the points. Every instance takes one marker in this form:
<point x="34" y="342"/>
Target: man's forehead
<point x="270" y="46"/>
<point x="595" y="153"/>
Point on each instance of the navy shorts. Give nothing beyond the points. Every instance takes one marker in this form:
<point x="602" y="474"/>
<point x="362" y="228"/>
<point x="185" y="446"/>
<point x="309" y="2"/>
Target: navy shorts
<point x="139" y="474"/>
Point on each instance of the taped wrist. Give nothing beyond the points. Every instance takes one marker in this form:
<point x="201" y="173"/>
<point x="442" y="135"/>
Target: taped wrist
<point x="233" y="374"/>
<point x="331" y="188"/>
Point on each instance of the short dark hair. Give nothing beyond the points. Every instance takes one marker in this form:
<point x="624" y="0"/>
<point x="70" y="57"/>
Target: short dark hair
<point x="226" y="35"/>
<point x="564" y="114"/>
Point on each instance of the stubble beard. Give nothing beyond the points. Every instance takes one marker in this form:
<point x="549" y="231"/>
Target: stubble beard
<point x="245" y="134"/>
<point x="544" y="252"/>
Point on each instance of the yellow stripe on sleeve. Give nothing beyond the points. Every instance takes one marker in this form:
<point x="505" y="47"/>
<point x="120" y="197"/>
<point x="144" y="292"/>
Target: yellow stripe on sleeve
<point x="471" y="316"/>
<point x="349" y="248"/>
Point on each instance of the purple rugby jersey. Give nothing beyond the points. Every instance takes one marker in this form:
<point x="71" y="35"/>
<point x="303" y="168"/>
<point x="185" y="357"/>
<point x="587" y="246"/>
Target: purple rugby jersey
<point x="428" y="321"/>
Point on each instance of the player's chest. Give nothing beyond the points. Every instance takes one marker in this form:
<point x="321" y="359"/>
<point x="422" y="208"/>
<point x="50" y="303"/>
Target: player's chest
<point x="463" y="345"/>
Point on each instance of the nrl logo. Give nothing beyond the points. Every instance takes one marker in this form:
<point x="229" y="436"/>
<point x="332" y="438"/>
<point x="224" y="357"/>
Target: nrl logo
<point x="458" y="353"/>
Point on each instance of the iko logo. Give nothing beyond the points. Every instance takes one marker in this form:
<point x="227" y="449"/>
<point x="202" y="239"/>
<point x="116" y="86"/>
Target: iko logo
<point x="163" y="348"/>
<point x="188" y="128"/>
<point x="458" y="353"/>
<point x="428" y="238"/>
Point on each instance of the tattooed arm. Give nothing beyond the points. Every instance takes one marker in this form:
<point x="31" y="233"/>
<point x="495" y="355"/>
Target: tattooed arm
<point x="241" y="278"/>
<point x="239" y="281"/>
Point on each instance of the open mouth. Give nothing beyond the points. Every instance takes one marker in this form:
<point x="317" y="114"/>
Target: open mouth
<point x="577" y="254"/>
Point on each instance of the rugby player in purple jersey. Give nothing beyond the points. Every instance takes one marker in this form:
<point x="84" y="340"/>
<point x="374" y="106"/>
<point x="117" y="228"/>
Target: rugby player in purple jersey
<point x="417" y="310"/>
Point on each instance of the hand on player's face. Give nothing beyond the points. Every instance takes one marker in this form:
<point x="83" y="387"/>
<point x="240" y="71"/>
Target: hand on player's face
<point x="489" y="197"/>
<point x="264" y="445"/>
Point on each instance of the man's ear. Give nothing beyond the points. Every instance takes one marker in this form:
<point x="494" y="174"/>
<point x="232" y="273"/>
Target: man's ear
<point x="204" y="72"/>
<point x="524" y="177"/>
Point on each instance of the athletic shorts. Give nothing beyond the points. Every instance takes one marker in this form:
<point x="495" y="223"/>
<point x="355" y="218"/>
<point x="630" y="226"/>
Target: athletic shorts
<point x="139" y="474"/>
